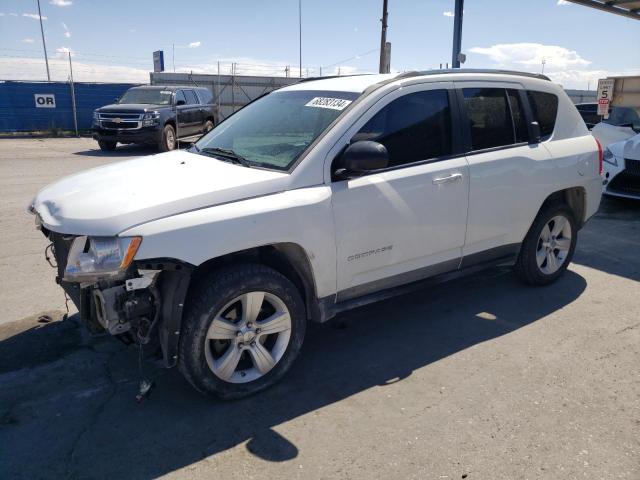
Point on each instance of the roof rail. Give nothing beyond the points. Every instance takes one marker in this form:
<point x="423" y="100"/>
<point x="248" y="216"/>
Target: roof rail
<point x="325" y="77"/>
<point x="472" y="70"/>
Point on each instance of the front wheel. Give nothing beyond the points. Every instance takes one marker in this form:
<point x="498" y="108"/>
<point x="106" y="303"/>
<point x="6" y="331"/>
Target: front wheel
<point x="242" y="330"/>
<point x="107" y="146"/>
<point x="548" y="247"/>
<point x="168" y="140"/>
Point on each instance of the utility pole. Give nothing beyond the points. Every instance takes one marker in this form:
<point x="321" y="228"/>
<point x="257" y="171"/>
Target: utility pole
<point x="457" y="34"/>
<point x="544" y="61"/>
<point x="44" y="45"/>
<point x="383" y="37"/>
<point x="300" y="34"/>
<point x="73" y="96"/>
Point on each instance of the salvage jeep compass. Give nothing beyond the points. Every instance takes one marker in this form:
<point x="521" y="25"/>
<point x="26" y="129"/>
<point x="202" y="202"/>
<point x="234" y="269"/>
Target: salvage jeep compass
<point x="316" y="198"/>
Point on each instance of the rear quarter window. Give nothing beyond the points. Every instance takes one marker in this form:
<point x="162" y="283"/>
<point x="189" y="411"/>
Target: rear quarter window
<point x="544" y="107"/>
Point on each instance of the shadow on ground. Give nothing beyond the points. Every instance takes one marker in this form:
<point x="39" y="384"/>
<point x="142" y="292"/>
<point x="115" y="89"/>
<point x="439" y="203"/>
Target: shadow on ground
<point x="610" y="241"/>
<point x="128" y="150"/>
<point x="75" y="415"/>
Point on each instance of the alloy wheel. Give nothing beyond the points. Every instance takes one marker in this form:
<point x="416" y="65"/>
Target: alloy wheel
<point x="554" y="245"/>
<point x="248" y="337"/>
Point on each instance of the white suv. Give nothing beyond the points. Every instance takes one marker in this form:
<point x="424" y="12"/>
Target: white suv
<point x="316" y="198"/>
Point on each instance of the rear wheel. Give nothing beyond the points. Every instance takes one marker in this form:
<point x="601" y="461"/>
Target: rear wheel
<point x="107" y="146"/>
<point x="168" y="140"/>
<point x="548" y="247"/>
<point x="242" y="330"/>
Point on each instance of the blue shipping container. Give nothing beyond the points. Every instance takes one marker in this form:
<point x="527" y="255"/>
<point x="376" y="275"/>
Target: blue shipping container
<point x="18" y="111"/>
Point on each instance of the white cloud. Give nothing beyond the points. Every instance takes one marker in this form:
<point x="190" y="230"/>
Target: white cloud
<point x="61" y="3"/>
<point x="562" y="2"/>
<point x="195" y="44"/>
<point x="67" y="33"/>
<point x="34" y="69"/>
<point x="13" y="14"/>
<point x="562" y="65"/>
<point x="448" y="14"/>
<point x="1" y="14"/>
<point x="28" y="40"/>
<point x="35" y="16"/>
<point x="63" y="52"/>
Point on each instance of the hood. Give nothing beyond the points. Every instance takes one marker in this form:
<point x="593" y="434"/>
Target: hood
<point x="627" y="148"/>
<point x="632" y="148"/>
<point x="129" y="108"/>
<point x="110" y="199"/>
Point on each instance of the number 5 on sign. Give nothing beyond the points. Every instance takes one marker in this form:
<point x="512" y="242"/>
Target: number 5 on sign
<point x="605" y="93"/>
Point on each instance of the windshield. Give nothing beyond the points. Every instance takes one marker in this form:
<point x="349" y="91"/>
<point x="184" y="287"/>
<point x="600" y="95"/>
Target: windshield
<point x="275" y="130"/>
<point x="152" y="96"/>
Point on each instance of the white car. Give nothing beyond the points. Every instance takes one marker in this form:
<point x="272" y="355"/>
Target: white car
<point x="319" y="197"/>
<point x="622" y="124"/>
<point x="621" y="168"/>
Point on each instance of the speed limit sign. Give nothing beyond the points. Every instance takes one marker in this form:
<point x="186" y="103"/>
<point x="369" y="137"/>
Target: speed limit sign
<point x="605" y="95"/>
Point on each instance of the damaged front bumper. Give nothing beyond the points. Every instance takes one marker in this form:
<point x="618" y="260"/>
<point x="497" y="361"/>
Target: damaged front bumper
<point x="143" y="305"/>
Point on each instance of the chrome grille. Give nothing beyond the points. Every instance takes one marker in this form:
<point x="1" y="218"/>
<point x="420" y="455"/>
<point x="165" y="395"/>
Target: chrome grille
<point x="120" y="121"/>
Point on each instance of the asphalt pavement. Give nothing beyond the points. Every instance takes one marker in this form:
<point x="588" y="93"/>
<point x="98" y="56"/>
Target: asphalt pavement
<point x="480" y="378"/>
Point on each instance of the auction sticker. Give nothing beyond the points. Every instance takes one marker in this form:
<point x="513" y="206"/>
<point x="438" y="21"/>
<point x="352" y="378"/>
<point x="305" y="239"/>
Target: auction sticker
<point x="326" y="102"/>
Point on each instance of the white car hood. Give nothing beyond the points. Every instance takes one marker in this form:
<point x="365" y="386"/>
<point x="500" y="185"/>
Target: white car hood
<point x="627" y="148"/>
<point x="110" y="199"/>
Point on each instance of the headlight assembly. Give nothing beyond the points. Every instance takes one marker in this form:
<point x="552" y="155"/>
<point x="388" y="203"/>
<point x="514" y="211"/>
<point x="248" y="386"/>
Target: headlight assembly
<point x="95" y="258"/>
<point x="150" y="119"/>
<point x="609" y="157"/>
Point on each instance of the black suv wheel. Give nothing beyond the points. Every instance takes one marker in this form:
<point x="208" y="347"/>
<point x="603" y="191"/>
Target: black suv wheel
<point x="107" y="146"/>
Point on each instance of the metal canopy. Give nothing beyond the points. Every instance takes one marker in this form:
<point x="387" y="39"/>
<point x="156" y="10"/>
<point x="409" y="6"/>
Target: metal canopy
<point x="626" y="8"/>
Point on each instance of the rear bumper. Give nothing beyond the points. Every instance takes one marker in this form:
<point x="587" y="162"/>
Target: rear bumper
<point x="142" y="135"/>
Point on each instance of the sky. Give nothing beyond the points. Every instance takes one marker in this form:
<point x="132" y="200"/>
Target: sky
<point x="113" y="41"/>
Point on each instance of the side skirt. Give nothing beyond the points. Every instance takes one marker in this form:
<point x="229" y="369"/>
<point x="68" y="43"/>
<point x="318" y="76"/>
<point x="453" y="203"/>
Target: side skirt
<point x="501" y="256"/>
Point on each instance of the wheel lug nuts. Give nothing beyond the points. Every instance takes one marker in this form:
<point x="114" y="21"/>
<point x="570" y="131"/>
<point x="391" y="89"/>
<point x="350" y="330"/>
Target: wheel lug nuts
<point x="241" y="345"/>
<point x="249" y="325"/>
<point x="253" y="344"/>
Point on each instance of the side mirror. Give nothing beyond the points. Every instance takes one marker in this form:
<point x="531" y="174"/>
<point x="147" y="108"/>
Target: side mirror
<point x="534" y="133"/>
<point x="181" y="102"/>
<point x="362" y="157"/>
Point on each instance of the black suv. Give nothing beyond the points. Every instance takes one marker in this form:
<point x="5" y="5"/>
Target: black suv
<point x="589" y="113"/>
<point x="156" y="115"/>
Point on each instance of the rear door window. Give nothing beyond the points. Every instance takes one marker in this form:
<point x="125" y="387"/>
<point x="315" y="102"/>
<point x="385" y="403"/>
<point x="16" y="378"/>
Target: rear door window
<point x="489" y="117"/>
<point x="191" y="97"/>
<point x="544" y="107"/>
<point x="414" y="127"/>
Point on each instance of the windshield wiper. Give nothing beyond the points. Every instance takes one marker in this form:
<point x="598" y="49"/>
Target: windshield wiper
<point x="226" y="154"/>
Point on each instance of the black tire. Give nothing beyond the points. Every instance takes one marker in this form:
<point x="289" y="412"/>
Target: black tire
<point x="168" y="140"/>
<point x="209" y="296"/>
<point x="107" y="146"/>
<point x="526" y="266"/>
<point x="208" y="126"/>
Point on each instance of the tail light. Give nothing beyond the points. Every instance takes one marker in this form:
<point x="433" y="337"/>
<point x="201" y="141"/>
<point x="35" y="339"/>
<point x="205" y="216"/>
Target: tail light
<point x="600" y="156"/>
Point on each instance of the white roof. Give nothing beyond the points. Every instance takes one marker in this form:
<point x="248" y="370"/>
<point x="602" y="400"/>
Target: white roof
<point x="353" y="83"/>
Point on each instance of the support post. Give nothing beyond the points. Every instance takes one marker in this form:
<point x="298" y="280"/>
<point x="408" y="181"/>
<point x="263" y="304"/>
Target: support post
<point x="73" y="96"/>
<point x="44" y="44"/>
<point x="383" y="37"/>
<point x="457" y="34"/>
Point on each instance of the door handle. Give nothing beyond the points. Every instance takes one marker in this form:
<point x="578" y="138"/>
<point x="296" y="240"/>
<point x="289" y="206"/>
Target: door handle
<point x="449" y="178"/>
